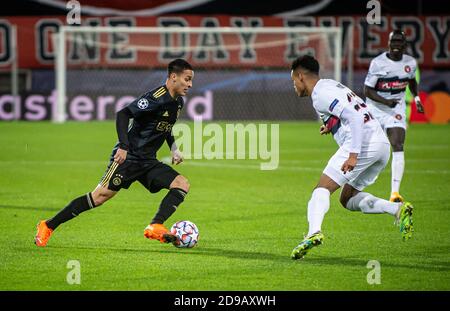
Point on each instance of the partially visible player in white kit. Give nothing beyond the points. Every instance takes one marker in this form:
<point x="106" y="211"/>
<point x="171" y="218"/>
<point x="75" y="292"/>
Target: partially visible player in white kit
<point x="389" y="75"/>
<point x="363" y="153"/>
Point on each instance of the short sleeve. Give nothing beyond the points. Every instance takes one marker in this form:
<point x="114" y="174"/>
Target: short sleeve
<point x="412" y="73"/>
<point x="374" y="73"/>
<point x="329" y="100"/>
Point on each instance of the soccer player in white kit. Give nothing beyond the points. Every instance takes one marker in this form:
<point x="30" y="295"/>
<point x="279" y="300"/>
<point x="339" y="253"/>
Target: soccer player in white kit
<point x="363" y="153"/>
<point x="389" y="75"/>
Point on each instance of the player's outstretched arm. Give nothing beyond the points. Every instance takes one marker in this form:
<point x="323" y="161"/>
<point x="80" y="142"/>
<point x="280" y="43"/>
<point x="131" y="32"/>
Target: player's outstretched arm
<point x="373" y="95"/>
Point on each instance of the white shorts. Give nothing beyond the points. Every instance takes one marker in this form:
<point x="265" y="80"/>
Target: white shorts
<point x="394" y="118"/>
<point x="371" y="161"/>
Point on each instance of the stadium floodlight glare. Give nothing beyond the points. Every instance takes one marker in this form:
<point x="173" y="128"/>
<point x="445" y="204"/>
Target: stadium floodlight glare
<point x="114" y="50"/>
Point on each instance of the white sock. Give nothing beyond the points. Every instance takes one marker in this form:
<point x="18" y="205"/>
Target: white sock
<point x="370" y="204"/>
<point x="398" y="166"/>
<point x="318" y="206"/>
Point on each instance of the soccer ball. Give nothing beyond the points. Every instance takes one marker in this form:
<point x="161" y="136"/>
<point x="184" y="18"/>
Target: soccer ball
<point x="186" y="232"/>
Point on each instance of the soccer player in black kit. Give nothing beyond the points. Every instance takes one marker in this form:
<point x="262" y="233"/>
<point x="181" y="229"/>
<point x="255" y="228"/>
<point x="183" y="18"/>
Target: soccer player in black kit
<point x="134" y="156"/>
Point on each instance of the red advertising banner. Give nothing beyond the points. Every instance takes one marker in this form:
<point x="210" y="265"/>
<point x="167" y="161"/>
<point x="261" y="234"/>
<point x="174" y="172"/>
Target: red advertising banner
<point x="428" y="38"/>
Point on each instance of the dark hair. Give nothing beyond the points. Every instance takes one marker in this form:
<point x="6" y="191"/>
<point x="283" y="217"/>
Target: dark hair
<point x="178" y="66"/>
<point x="306" y="62"/>
<point x="397" y="32"/>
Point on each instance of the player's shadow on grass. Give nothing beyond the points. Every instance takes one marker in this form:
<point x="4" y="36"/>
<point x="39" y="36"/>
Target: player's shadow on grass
<point x="356" y="262"/>
<point x="239" y="254"/>
<point x="313" y="260"/>
<point x="204" y="251"/>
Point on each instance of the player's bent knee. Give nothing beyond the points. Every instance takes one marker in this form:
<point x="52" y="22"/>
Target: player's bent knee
<point x="101" y="195"/>
<point x="181" y="182"/>
<point x="347" y="193"/>
<point x="344" y="200"/>
<point x="397" y="147"/>
<point x="98" y="199"/>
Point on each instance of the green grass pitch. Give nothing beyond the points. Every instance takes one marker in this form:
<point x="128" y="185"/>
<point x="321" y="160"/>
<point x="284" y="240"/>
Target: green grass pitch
<point x="249" y="220"/>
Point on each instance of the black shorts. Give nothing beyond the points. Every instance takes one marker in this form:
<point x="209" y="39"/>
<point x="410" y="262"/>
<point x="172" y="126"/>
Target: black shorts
<point x="153" y="175"/>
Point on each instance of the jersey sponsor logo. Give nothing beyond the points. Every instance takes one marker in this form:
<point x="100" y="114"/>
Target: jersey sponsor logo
<point x="407" y="69"/>
<point x="142" y="103"/>
<point x="333" y="104"/>
<point x="393" y="85"/>
<point x="164" y="126"/>
<point x="160" y="92"/>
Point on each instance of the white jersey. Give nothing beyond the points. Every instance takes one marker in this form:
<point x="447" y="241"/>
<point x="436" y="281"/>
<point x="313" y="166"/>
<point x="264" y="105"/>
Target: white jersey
<point x="390" y="79"/>
<point x="329" y="99"/>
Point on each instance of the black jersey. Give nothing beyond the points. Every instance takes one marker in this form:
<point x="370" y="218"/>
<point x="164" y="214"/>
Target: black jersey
<point x="153" y="115"/>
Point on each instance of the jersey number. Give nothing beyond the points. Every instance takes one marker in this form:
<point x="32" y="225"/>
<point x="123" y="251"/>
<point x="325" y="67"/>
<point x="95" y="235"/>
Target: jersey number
<point x="359" y="105"/>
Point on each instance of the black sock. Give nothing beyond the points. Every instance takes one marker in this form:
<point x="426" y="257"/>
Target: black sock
<point x="72" y="210"/>
<point x="169" y="205"/>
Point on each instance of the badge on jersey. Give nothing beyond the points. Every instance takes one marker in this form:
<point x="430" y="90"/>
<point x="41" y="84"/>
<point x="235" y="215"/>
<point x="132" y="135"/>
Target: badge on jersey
<point x="407" y="69"/>
<point x="333" y="104"/>
<point x="142" y="103"/>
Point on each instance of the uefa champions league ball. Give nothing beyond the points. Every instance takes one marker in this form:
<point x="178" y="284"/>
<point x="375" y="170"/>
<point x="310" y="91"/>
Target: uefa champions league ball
<point x="186" y="232"/>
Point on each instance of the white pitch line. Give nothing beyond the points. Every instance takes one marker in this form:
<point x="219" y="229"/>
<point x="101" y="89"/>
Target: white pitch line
<point x="331" y="148"/>
<point x="300" y="168"/>
<point x="204" y="164"/>
<point x="54" y="162"/>
<point x="443" y="160"/>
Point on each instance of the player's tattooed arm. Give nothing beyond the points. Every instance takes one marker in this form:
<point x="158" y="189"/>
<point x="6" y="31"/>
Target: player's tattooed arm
<point x="373" y="95"/>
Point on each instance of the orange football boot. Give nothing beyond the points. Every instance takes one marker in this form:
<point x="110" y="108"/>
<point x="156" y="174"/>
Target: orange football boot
<point x="159" y="232"/>
<point x="43" y="234"/>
